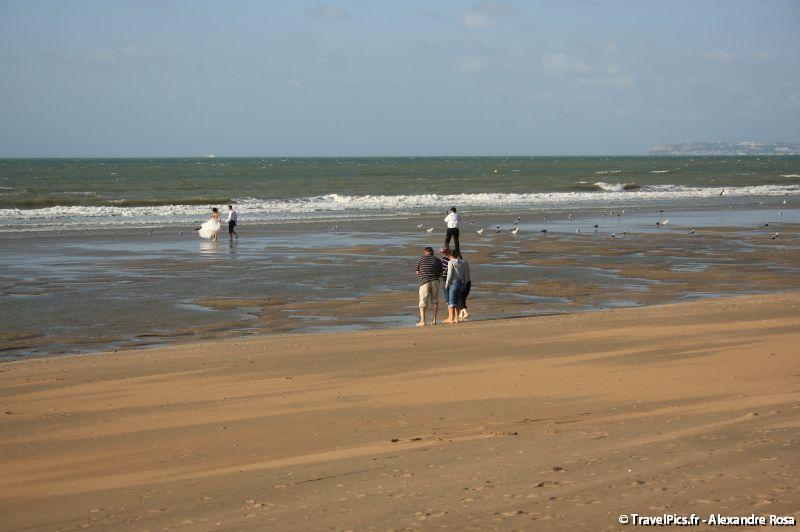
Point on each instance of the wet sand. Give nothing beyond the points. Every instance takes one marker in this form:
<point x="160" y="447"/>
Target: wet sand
<point x="563" y="421"/>
<point x="90" y="293"/>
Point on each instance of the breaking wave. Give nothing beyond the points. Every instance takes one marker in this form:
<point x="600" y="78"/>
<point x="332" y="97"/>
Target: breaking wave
<point x="616" y="187"/>
<point x="347" y="206"/>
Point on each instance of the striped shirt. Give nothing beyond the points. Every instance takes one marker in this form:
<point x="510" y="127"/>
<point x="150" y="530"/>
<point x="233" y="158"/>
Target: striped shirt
<point x="445" y="261"/>
<point x="429" y="268"/>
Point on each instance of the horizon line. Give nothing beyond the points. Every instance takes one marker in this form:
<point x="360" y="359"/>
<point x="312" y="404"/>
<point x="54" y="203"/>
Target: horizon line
<point x="44" y="157"/>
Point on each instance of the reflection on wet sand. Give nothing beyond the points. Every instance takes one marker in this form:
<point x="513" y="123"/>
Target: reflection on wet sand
<point x="112" y="291"/>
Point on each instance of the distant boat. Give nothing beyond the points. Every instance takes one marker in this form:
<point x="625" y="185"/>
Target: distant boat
<point x="209" y="156"/>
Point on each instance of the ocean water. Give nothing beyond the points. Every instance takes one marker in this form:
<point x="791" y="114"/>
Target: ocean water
<point x="52" y="194"/>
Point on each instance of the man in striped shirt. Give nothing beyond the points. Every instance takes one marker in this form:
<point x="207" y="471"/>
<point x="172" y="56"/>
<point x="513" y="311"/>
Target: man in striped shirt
<point x="429" y="271"/>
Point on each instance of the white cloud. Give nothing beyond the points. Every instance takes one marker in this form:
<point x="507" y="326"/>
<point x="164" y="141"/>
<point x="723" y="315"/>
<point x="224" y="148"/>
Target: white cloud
<point x="473" y="64"/>
<point x="561" y="65"/>
<point x="488" y="13"/>
<point x="326" y="12"/>
<point x="721" y="56"/>
<point x="582" y="74"/>
<point x="475" y="20"/>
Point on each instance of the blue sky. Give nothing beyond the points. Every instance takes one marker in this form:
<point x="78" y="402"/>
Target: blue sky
<point x="369" y="77"/>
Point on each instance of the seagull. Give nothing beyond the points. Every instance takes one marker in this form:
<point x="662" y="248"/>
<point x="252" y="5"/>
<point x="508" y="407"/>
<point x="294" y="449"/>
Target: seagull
<point x="515" y="231"/>
<point x="613" y="235"/>
<point x="420" y="226"/>
<point x="637" y="210"/>
<point x="480" y="231"/>
<point x="569" y="216"/>
<point x="691" y="232"/>
<point x="624" y="232"/>
<point x="471" y="222"/>
<point x="774" y="236"/>
<point x="577" y="232"/>
<point x="518" y="218"/>
<point x="766" y="225"/>
<point x="429" y="230"/>
<point x="544" y="217"/>
<point x="335" y="228"/>
<point x="596" y="226"/>
<point x="543" y="231"/>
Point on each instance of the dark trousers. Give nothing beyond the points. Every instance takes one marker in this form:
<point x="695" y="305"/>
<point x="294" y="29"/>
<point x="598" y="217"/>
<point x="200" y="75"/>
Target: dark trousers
<point x="462" y="297"/>
<point x="232" y="227"/>
<point x="451" y="233"/>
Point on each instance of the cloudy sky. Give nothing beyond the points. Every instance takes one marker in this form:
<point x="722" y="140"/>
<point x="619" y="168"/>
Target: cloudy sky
<point x="374" y="77"/>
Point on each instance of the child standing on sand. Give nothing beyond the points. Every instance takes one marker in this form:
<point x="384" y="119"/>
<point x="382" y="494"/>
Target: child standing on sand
<point x="452" y="220"/>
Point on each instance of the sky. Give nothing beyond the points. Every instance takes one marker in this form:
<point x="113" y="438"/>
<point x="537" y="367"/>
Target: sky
<point x="148" y="78"/>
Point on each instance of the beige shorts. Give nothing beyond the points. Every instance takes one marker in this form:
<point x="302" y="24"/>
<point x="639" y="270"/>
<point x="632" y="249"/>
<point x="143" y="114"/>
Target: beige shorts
<point x="429" y="294"/>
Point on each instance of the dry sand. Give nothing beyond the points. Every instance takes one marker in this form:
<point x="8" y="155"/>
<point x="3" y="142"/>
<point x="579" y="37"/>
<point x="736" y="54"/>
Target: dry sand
<point x="537" y="423"/>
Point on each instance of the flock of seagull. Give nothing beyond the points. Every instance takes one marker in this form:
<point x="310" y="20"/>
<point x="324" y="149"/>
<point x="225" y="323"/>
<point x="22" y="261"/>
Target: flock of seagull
<point x="661" y="222"/>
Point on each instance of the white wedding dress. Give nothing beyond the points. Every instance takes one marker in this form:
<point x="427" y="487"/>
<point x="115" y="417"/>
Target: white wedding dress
<point x="209" y="229"/>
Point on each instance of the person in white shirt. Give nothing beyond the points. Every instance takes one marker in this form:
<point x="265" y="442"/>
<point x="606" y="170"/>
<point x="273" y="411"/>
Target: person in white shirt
<point x="452" y="220"/>
<point x="232" y="217"/>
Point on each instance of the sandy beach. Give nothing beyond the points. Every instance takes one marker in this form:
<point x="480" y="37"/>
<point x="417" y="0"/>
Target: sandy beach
<point x="558" y="421"/>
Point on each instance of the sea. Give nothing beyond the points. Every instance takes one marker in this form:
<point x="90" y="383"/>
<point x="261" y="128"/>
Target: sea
<point x="102" y="254"/>
<point x="54" y="194"/>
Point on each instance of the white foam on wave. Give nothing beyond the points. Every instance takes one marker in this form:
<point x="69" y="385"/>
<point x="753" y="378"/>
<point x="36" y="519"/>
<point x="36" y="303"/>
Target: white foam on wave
<point x="343" y="206"/>
<point x="790" y="175"/>
<point x="659" y="171"/>
<point x="610" y="187"/>
<point x="602" y="172"/>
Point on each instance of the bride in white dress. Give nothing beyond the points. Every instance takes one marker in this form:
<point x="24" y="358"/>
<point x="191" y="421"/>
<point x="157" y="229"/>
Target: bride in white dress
<point x="210" y="228"/>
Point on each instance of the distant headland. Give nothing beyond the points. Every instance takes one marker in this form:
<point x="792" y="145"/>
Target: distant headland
<point x="727" y="148"/>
